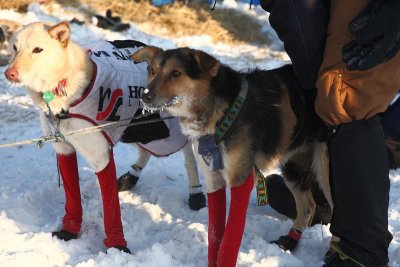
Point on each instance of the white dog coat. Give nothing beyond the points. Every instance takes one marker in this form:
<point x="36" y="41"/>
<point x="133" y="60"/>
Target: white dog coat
<point x="114" y="96"/>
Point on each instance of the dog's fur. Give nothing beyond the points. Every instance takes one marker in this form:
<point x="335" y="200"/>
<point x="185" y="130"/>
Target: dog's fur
<point x="39" y="72"/>
<point x="277" y="127"/>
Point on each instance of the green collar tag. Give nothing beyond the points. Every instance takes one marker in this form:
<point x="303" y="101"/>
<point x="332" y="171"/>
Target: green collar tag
<point x="261" y="187"/>
<point x="48" y="96"/>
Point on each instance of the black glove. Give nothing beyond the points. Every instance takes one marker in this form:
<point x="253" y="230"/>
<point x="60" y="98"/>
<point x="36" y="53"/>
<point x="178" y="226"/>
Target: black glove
<point x="377" y="35"/>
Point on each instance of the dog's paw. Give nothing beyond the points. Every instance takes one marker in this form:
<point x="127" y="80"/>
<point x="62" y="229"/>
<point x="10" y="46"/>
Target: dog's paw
<point x="197" y="201"/>
<point x="289" y="241"/>
<point x="285" y="242"/>
<point x="126" y="182"/>
<point x="123" y="249"/>
<point x="64" y="235"/>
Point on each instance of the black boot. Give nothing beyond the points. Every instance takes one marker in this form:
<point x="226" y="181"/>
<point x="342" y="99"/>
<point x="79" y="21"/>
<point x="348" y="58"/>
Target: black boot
<point x="197" y="201"/>
<point x="64" y="235"/>
<point x="123" y="249"/>
<point x="126" y="182"/>
<point x="359" y="177"/>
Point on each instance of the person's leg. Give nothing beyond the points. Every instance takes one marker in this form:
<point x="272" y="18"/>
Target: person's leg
<point x="301" y="25"/>
<point x="349" y="101"/>
<point x="360" y="189"/>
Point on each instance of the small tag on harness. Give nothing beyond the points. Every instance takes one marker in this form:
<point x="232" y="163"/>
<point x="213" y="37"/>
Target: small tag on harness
<point x="209" y="150"/>
<point x="262" y="194"/>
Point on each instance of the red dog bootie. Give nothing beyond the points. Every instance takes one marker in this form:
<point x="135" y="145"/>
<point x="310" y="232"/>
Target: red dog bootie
<point x="229" y="249"/>
<point x="68" y="166"/>
<point x="216" y="223"/>
<point x="112" y="212"/>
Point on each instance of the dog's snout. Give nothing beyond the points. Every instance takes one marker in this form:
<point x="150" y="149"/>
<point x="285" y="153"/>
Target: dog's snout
<point x="148" y="95"/>
<point x="11" y="74"/>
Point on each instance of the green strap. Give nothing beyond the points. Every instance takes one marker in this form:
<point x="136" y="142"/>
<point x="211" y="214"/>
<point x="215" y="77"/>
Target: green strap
<point x="233" y="113"/>
<point x="335" y="247"/>
<point x="261" y="187"/>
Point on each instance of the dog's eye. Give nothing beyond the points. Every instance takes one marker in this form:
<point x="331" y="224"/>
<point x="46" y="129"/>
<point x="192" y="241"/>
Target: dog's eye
<point x="175" y="73"/>
<point x="15" y="48"/>
<point x="37" y="50"/>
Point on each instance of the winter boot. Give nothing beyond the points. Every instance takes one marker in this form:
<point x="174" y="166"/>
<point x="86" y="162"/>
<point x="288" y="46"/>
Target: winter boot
<point x="197" y="201"/>
<point x="359" y="177"/>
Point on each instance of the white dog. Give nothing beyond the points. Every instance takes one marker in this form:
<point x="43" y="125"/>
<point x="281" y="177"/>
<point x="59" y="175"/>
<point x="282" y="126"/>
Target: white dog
<point x="91" y="87"/>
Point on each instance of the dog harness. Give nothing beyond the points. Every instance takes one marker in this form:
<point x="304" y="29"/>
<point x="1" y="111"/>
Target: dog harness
<point x="114" y="95"/>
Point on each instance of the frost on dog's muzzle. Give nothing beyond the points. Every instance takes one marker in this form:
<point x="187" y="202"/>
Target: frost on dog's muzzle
<point x="152" y="102"/>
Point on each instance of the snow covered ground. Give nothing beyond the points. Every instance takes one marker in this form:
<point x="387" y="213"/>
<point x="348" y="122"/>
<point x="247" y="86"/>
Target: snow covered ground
<point x="160" y="228"/>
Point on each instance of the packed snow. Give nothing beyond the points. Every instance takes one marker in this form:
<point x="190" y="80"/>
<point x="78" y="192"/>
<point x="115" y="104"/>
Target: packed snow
<point x="160" y="228"/>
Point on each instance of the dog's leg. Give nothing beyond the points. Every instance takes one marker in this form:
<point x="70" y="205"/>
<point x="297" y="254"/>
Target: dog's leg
<point x="68" y="167"/>
<point x="141" y="161"/>
<point x="112" y="213"/>
<point x="216" y="223"/>
<point x="229" y="249"/>
<point x="197" y="200"/>
<point x="96" y="150"/>
<point x="191" y="169"/>
<point x="305" y="207"/>
<point x="216" y="196"/>
<point x="129" y="179"/>
<point x="299" y="179"/>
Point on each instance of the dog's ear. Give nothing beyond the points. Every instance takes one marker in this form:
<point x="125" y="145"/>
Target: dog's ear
<point x="61" y="33"/>
<point x="206" y="62"/>
<point x="7" y="29"/>
<point x="147" y="53"/>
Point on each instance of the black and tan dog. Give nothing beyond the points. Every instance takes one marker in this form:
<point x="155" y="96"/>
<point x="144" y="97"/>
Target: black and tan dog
<point x="241" y="120"/>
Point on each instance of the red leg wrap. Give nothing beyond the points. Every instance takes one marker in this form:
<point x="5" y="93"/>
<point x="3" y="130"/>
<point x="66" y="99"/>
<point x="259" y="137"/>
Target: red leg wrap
<point x="216" y="223"/>
<point x="294" y="234"/>
<point x="112" y="212"/>
<point x="229" y="249"/>
<point x="68" y="167"/>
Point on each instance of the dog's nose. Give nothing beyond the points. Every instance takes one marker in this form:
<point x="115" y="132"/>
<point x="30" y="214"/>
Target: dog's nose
<point x="148" y="95"/>
<point x="11" y="74"/>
